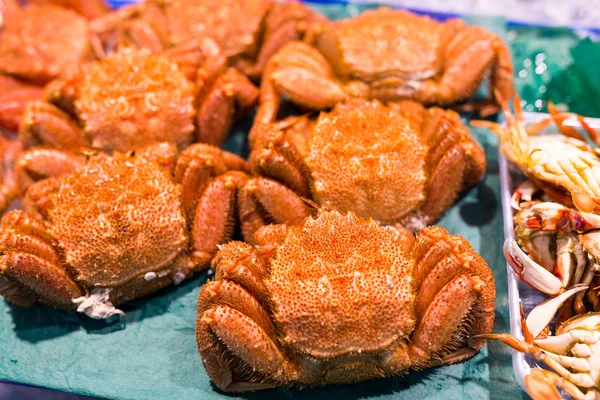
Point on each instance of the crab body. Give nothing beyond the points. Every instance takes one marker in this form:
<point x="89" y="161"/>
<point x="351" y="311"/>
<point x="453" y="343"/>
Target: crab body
<point x="118" y="227"/>
<point x="388" y="55"/>
<point x="287" y="312"/>
<point x="375" y="160"/>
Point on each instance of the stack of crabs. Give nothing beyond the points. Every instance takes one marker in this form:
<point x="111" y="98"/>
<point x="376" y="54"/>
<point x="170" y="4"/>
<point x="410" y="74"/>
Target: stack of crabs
<point x="117" y="187"/>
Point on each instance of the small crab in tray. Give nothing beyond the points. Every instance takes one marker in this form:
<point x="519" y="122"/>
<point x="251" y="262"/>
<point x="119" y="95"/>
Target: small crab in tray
<point x="248" y="31"/>
<point x="564" y="166"/>
<point x="119" y="227"/>
<point x="388" y="55"/>
<point x="400" y="163"/>
<point x="341" y="299"/>
<point x="133" y="99"/>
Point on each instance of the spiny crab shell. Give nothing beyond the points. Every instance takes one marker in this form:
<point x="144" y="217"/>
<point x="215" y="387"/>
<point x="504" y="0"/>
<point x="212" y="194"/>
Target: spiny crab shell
<point x="340" y="299"/>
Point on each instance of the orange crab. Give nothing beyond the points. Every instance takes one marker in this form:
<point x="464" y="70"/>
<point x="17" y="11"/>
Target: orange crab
<point x="119" y="227"/>
<point x="132" y="99"/>
<point x="249" y="31"/>
<point x="387" y="55"/>
<point x="341" y="299"/>
<point x="37" y="44"/>
<point x="401" y="163"/>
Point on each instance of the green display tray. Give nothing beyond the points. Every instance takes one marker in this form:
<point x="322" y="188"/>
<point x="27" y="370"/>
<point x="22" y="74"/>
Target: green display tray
<point x="151" y="352"/>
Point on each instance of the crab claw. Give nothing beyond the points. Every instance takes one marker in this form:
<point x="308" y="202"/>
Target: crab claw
<point x="539" y="318"/>
<point x="529" y="271"/>
<point x="524" y="192"/>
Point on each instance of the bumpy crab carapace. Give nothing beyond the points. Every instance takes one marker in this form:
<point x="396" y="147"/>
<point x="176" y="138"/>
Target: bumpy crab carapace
<point x="341" y="299"/>
<point x="119" y="227"/>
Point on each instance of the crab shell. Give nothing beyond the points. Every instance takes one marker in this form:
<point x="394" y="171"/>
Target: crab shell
<point x="118" y="227"/>
<point x="340" y="299"/>
<point x="397" y="164"/>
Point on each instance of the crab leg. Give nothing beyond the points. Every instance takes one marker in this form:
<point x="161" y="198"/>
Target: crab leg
<point x="232" y="320"/>
<point x="239" y="263"/>
<point x="45" y="123"/>
<point x="281" y="161"/>
<point x="263" y="201"/>
<point x="214" y="219"/>
<point x="39" y="277"/>
<point x="231" y="95"/>
<point x="559" y="119"/>
<point x="41" y="163"/>
<point x="298" y="65"/>
<point x="14" y="96"/>
<point x="441" y="326"/>
<point x="529" y="271"/>
<point x="478" y="49"/>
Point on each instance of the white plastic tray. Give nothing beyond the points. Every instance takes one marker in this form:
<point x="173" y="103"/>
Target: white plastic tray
<point x="519" y="292"/>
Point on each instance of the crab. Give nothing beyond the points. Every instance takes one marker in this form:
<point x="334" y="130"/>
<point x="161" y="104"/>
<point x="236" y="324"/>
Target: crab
<point x="119" y="227"/>
<point x="572" y="353"/>
<point x="388" y="55"/>
<point x="340" y="299"/>
<point x="248" y="31"/>
<point x="37" y="44"/>
<point x="565" y="167"/>
<point x="132" y="99"/>
<point x="398" y="164"/>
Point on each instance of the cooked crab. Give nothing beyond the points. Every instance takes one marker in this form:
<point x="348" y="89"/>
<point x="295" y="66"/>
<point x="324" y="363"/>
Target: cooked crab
<point x="248" y="31"/>
<point x="573" y="353"/>
<point x="565" y="168"/>
<point x="387" y="55"/>
<point x="401" y="164"/>
<point x="37" y="44"/>
<point x="340" y="299"/>
<point x="119" y="227"/>
<point x="134" y="98"/>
